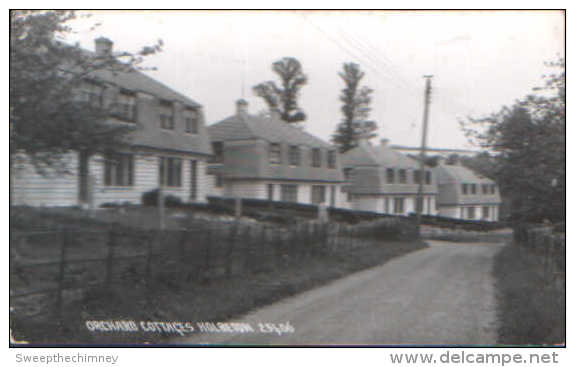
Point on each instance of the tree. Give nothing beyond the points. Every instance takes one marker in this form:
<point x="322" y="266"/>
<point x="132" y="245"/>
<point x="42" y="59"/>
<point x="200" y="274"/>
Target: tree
<point x="355" y="124"/>
<point x="47" y="120"/>
<point x="528" y="140"/>
<point x="284" y="99"/>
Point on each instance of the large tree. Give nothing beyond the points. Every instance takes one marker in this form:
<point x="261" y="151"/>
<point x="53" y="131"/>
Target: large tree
<point x="528" y="140"/>
<point x="47" y="120"/>
<point x="355" y="124"/>
<point x="283" y="99"/>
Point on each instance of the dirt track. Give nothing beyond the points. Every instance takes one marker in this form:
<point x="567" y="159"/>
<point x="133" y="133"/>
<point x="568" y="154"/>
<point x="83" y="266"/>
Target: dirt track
<point x="440" y="295"/>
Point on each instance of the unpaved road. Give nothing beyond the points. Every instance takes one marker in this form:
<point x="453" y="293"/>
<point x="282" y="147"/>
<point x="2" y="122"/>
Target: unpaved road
<point x="440" y="295"/>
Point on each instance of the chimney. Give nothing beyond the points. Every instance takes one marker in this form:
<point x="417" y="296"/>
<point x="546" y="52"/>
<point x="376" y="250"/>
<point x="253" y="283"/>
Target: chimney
<point x="103" y="46"/>
<point x="241" y="106"/>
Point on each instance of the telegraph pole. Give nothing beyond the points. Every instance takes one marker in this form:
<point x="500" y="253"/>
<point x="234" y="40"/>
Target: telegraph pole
<point x="419" y="202"/>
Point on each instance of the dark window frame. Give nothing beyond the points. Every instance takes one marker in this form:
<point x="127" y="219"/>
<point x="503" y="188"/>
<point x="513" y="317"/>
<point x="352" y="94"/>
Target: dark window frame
<point x="318" y="194"/>
<point x="331" y="159"/>
<point x="166" y="115"/>
<point x="316" y="157"/>
<point x="390" y="175"/>
<point x="402" y="176"/>
<point x="289" y="193"/>
<point x="294" y="155"/>
<point x="275" y="153"/>
<point x="174" y="165"/>
<point x="119" y="170"/>
<point x="191" y="121"/>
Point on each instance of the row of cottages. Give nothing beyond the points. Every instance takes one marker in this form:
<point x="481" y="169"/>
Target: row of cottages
<point x="169" y="145"/>
<point x="464" y="194"/>
<point x="383" y="180"/>
<point x="244" y="155"/>
<point x="259" y="157"/>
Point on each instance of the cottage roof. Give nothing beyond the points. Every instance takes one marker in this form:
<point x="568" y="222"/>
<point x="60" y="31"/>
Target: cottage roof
<point x="459" y="174"/>
<point x="369" y="164"/>
<point x="367" y="155"/>
<point x="246" y="126"/>
<point x="151" y="135"/>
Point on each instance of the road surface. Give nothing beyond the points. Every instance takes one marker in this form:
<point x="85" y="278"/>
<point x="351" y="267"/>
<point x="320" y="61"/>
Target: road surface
<point x="440" y="295"/>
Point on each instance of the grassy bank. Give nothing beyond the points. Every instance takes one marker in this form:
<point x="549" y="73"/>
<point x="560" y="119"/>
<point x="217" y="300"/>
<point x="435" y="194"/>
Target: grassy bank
<point x="175" y="291"/>
<point x="195" y="302"/>
<point x="531" y="309"/>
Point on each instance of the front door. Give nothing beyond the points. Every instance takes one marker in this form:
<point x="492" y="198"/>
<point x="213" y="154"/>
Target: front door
<point x="193" y="180"/>
<point x="83" y="175"/>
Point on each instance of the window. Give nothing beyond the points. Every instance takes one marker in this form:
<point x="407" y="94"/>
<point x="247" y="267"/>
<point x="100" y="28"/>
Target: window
<point x="219" y="180"/>
<point x="331" y="159"/>
<point x="191" y="119"/>
<point x="91" y="93"/>
<point x="170" y="172"/>
<point x="275" y="153"/>
<point x="119" y="170"/>
<point x="294" y="155"/>
<point x="317" y="194"/>
<point x="419" y="204"/>
<point x="218" y="149"/>
<point x="464" y="189"/>
<point x="493" y="189"/>
<point x="398" y="205"/>
<point x="402" y="176"/>
<point x="390" y="175"/>
<point x="484" y="189"/>
<point x="270" y="191"/>
<point x="427" y="178"/>
<point x="416" y="176"/>
<point x="167" y="115"/>
<point x="473" y="189"/>
<point x="126" y="106"/>
<point x="485" y="212"/>
<point x="386" y="205"/>
<point x="289" y="193"/>
<point x="349" y="197"/>
<point x="316" y="157"/>
<point x="347" y="172"/>
<point x="471" y="212"/>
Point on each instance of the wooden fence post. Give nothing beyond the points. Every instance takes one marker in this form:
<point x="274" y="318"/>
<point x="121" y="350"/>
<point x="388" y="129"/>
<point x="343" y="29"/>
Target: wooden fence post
<point x="110" y="258"/>
<point x="230" y="250"/>
<point x="62" y="270"/>
<point x="248" y="253"/>
<point x="149" y="256"/>
<point x="207" y="252"/>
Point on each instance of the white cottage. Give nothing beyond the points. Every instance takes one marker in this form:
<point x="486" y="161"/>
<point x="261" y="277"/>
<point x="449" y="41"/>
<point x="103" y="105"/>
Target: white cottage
<point x="169" y="145"/>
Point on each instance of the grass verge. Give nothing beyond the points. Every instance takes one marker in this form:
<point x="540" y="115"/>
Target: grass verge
<point x="531" y="309"/>
<point x="197" y="300"/>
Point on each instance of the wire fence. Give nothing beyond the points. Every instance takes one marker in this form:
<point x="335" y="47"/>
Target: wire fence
<point x="548" y="249"/>
<point x="51" y="268"/>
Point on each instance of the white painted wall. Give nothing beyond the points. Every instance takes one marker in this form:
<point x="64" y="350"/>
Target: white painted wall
<point x="460" y="212"/>
<point x="30" y="188"/>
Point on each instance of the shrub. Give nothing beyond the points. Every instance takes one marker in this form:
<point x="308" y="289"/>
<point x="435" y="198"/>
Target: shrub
<point x="389" y="229"/>
<point x="150" y="198"/>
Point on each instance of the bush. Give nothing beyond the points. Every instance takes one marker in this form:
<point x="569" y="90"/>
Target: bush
<point x="389" y="229"/>
<point x="150" y="198"/>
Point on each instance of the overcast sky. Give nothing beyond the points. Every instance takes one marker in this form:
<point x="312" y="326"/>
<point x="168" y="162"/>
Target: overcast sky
<point x="481" y="60"/>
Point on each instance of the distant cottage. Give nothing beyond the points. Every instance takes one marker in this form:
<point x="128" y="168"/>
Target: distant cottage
<point x="464" y="194"/>
<point x="169" y="147"/>
<point x="383" y="180"/>
<point x="265" y="158"/>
